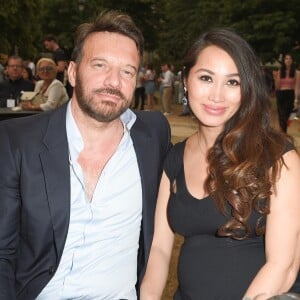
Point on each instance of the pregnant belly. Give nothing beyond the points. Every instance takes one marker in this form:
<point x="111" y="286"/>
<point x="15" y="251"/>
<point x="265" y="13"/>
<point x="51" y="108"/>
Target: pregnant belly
<point x="218" y="268"/>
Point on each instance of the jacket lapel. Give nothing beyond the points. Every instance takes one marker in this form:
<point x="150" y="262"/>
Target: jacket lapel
<point x="55" y="163"/>
<point x="143" y="144"/>
<point x="141" y="137"/>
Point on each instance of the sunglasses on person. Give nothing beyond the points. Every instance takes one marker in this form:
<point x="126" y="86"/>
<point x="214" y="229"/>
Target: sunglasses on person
<point x="46" y="69"/>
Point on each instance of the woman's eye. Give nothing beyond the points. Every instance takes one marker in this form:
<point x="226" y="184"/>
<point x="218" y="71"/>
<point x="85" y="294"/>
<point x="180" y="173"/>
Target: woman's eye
<point x="205" y="78"/>
<point x="233" y="82"/>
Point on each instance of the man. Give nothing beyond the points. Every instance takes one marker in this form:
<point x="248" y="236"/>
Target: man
<point x="59" y="56"/>
<point x="15" y="84"/>
<point x="167" y="82"/>
<point x="78" y="185"/>
<point x="139" y="94"/>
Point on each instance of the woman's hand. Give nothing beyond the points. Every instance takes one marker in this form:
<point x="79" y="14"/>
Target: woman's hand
<point x="27" y="105"/>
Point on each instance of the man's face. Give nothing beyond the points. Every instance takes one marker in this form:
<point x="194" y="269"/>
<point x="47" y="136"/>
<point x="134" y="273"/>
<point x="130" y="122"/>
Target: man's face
<point x="14" y="69"/>
<point x="164" y="68"/>
<point x="48" y="45"/>
<point x="104" y="81"/>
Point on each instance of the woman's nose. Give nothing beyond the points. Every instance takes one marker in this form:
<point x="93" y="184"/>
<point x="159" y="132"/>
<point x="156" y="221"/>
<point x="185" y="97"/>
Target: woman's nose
<point x="216" y="93"/>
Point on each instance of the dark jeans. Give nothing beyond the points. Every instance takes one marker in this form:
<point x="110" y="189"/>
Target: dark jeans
<point x="285" y="105"/>
<point x="139" y="94"/>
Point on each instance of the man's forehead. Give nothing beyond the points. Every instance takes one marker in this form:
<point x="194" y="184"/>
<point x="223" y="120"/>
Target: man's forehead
<point x="92" y="48"/>
<point x="15" y="60"/>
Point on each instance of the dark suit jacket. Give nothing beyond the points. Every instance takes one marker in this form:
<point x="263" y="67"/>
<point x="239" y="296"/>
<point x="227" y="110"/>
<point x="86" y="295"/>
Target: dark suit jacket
<point x="35" y="195"/>
<point x="12" y="89"/>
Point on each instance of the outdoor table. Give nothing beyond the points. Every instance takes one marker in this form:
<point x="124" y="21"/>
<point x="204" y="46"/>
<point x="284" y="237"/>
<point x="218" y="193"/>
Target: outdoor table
<point x="8" y="113"/>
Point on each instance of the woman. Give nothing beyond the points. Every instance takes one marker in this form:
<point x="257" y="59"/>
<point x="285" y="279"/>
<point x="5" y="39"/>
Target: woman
<point x="150" y="86"/>
<point x="50" y="92"/>
<point x="28" y="75"/>
<point x="287" y="90"/>
<point x="231" y="189"/>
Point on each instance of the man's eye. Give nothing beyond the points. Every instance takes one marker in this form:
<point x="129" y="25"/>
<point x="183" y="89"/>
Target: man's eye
<point x="128" y="73"/>
<point x="99" y="66"/>
<point x="233" y="82"/>
<point x="205" y="78"/>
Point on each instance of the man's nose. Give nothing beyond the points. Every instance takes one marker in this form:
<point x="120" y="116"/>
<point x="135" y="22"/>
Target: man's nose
<point x="113" y="78"/>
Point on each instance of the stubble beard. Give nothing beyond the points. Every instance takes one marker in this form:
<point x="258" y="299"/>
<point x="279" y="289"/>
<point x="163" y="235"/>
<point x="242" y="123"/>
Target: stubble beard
<point x="106" y="111"/>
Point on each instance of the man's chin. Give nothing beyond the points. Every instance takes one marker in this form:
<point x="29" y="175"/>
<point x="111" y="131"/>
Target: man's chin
<point x="106" y="116"/>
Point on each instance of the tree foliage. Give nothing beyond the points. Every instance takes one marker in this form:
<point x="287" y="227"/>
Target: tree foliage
<point x="19" y="23"/>
<point x="271" y="27"/>
<point x="169" y="26"/>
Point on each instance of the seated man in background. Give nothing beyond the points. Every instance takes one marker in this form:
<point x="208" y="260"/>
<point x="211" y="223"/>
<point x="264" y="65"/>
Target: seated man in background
<point x="15" y="84"/>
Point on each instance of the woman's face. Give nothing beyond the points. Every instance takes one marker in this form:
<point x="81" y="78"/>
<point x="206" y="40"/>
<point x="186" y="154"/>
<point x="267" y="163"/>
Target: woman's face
<point x="288" y="60"/>
<point x="213" y="85"/>
<point x="46" y="70"/>
<point x="25" y="74"/>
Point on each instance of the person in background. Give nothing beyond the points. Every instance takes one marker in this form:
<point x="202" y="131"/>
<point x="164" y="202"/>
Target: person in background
<point x="59" y="56"/>
<point x="1" y="72"/>
<point x="149" y="83"/>
<point x="15" y="84"/>
<point x="139" y="93"/>
<point x="30" y="64"/>
<point x="231" y="189"/>
<point x="167" y="82"/>
<point x="51" y="93"/>
<point x="27" y="75"/>
<point x="78" y="184"/>
<point x="287" y="81"/>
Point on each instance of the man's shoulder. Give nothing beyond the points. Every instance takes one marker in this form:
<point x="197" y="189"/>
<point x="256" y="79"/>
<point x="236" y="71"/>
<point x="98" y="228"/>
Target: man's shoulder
<point x="154" y="121"/>
<point x="59" y="55"/>
<point x="4" y="84"/>
<point x="28" y="85"/>
<point x="35" y="123"/>
<point x="150" y="116"/>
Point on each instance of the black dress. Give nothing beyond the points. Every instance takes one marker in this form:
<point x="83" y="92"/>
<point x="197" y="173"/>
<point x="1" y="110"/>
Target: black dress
<point x="210" y="267"/>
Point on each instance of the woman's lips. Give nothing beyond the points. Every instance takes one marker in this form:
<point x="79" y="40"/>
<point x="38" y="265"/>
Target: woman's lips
<point x="214" y="110"/>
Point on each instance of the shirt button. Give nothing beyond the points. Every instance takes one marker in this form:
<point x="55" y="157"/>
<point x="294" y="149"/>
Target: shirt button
<point x="51" y="270"/>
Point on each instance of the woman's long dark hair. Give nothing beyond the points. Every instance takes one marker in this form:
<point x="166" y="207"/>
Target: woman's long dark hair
<point x="283" y="68"/>
<point x="239" y="162"/>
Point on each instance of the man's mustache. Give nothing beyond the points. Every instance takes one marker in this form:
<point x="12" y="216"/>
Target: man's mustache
<point x="110" y="91"/>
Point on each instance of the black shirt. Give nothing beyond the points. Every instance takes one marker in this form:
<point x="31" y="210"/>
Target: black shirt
<point x="12" y="89"/>
<point x="59" y="55"/>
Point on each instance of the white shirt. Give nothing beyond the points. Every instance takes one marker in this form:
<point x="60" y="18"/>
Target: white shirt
<point x="99" y="260"/>
<point x="168" y="79"/>
<point x="54" y="96"/>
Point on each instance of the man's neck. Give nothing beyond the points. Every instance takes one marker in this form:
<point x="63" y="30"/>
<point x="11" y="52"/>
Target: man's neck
<point x="55" y="47"/>
<point x="15" y="79"/>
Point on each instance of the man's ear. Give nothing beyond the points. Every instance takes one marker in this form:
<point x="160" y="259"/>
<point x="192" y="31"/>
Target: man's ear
<point x="72" y="69"/>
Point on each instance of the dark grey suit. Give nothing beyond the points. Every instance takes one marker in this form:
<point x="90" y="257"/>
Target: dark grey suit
<point x="35" y="195"/>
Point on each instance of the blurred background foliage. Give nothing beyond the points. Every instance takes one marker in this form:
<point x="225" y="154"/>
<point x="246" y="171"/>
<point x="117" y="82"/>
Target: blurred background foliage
<point x="169" y="26"/>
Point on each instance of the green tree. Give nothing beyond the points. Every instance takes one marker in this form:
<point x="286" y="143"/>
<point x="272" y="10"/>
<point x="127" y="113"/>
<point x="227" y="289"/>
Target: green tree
<point x="61" y="18"/>
<point x="271" y="27"/>
<point x="19" y="27"/>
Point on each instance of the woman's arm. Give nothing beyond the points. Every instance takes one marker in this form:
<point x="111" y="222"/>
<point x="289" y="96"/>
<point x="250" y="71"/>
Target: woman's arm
<point x="54" y="93"/>
<point x="297" y="83"/>
<point x="282" y="234"/>
<point x="276" y="77"/>
<point x="158" y="264"/>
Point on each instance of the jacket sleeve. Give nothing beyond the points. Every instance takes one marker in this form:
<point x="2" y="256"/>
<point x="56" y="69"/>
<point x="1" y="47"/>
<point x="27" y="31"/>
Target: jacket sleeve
<point x="9" y="216"/>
